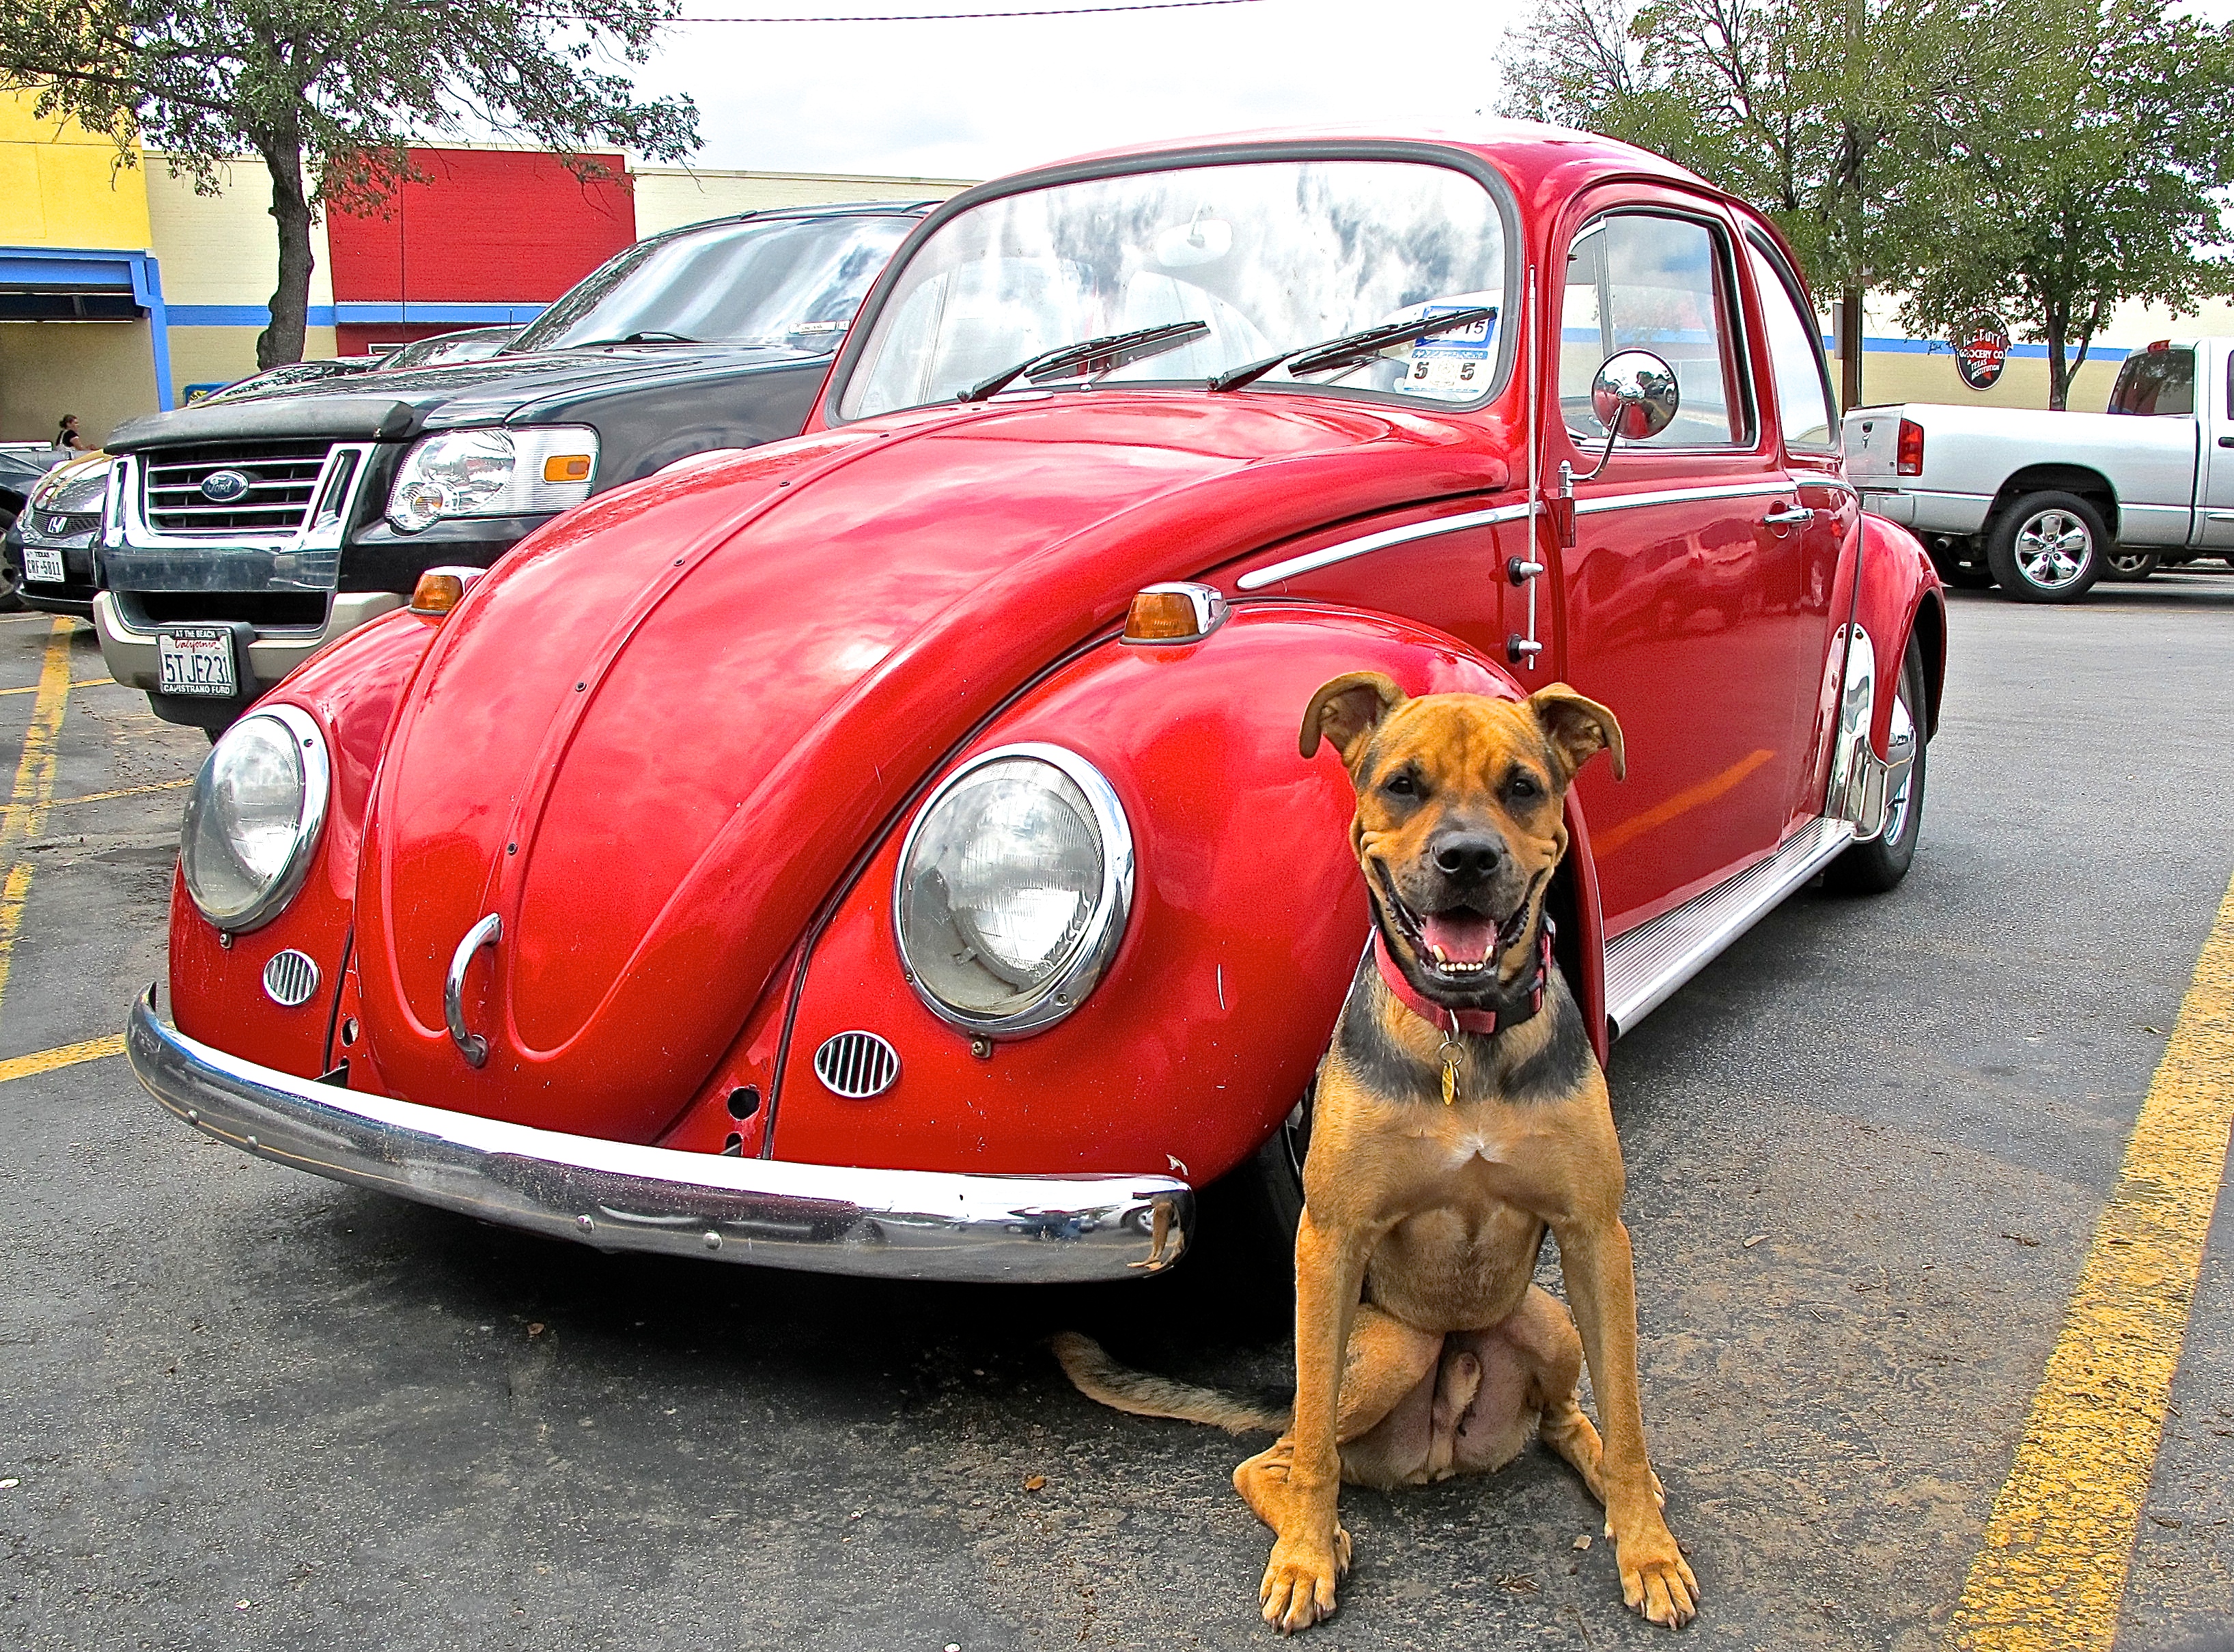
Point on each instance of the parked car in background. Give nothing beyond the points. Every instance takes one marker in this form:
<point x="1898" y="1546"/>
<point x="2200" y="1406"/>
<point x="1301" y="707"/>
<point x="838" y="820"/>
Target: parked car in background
<point x="2045" y="503"/>
<point x="50" y="547"/>
<point x="887" y="850"/>
<point x="21" y="464"/>
<point x="247" y="531"/>
<point x="468" y="344"/>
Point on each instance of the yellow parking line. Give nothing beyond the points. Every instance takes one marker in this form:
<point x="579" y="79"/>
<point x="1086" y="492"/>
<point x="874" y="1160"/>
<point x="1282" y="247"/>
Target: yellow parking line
<point x="128" y="790"/>
<point x="34" y="790"/>
<point x="83" y="683"/>
<point x="2052" y="1572"/>
<point x="46" y="1061"/>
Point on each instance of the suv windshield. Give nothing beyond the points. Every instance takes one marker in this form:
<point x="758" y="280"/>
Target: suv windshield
<point x="1272" y="255"/>
<point x="792" y="282"/>
<point x="2156" y="383"/>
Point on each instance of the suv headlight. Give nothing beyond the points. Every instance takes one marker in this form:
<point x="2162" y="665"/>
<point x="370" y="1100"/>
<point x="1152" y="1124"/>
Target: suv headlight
<point x="493" y="472"/>
<point x="1014" y="884"/>
<point x="253" y="816"/>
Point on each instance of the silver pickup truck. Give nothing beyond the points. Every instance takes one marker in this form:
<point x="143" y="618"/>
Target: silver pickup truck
<point x="2045" y="503"/>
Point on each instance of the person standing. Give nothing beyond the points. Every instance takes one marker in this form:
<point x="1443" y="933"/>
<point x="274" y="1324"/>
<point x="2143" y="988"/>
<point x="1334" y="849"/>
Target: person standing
<point x="67" y="436"/>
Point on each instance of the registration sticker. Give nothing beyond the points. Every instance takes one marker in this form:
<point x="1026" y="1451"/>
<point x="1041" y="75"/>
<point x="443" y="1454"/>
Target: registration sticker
<point x="1454" y="366"/>
<point x="198" y="659"/>
<point x="43" y="564"/>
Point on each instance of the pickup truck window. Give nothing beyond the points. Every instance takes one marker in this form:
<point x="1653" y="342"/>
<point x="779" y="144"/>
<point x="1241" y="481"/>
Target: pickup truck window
<point x="2156" y="384"/>
<point x="1644" y="281"/>
<point x="1795" y="355"/>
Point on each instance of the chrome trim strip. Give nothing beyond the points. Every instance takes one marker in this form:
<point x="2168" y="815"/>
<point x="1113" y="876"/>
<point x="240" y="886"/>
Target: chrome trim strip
<point x="1272" y="573"/>
<point x="1679" y="495"/>
<point x="1645" y="965"/>
<point x="616" y="1196"/>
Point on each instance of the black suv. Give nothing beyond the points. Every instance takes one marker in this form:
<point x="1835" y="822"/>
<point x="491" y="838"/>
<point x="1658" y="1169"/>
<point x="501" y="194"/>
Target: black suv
<point x="242" y="534"/>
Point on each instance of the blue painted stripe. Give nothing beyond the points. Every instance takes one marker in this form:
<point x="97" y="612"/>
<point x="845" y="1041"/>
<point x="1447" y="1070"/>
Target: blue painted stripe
<point x="241" y="316"/>
<point x="363" y="314"/>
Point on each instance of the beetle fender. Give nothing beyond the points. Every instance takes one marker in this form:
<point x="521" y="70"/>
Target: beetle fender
<point x="350" y="689"/>
<point x="1897" y="594"/>
<point x="1247" y="920"/>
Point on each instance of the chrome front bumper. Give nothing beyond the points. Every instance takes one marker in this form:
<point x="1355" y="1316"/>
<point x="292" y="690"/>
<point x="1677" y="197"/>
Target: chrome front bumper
<point x="133" y="654"/>
<point x="824" y="1218"/>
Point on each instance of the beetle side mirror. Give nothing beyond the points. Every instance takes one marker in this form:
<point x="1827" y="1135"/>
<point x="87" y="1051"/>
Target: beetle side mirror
<point x="1635" y="396"/>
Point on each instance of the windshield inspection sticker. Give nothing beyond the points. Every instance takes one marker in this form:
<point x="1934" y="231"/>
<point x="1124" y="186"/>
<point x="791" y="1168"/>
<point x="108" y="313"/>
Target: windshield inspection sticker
<point x="1453" y="365"/>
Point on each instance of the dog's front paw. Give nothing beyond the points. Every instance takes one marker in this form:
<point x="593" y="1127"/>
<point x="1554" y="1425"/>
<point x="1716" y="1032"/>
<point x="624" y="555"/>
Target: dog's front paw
<point x="1655" y="1579"/>
<point x="1298" y="1587"/>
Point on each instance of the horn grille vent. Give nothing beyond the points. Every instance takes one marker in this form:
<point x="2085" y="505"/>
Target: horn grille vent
<point x="856" y="1065"/>
<point x="290" y="977"/>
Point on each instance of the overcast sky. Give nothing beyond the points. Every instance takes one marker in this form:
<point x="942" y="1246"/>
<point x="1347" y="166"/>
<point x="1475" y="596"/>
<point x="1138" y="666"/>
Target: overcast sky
<point x="975" y="99"/>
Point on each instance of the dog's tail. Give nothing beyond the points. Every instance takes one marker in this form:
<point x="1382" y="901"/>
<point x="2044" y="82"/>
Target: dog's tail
<point x="1099" y="1377"/>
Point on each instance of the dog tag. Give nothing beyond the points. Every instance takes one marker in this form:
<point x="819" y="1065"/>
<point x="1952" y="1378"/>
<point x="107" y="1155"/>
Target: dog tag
<point x="1450" y="1074"/>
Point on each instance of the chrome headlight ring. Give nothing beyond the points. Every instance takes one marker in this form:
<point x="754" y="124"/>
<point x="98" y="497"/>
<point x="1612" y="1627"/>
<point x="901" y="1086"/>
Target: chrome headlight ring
<point x="1086" y="954"/>
<point x="308" y="744"/>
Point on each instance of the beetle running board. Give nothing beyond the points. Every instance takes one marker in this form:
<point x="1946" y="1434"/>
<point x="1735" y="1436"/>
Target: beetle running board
<point x="1645" y="965"/>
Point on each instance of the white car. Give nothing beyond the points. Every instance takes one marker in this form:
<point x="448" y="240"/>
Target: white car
<point x="2045" y="503"/>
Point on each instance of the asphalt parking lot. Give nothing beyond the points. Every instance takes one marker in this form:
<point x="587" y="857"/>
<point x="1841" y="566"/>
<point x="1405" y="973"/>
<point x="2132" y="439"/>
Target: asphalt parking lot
<point x="1870" y="1153"/>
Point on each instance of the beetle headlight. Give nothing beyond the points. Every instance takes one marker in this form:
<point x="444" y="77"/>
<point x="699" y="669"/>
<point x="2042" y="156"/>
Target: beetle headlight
<point x="1014" y="884"/>
<point x="253" y="816"/>
<point x="493" y="472"/>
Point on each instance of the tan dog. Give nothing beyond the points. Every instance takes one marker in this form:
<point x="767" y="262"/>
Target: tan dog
<point x="1459" y="1113"/>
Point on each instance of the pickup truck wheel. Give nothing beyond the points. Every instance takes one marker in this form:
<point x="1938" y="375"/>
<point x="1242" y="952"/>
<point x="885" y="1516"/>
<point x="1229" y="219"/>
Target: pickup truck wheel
<point x="2048" y="548"/>
<point x="1873" y="868"/>
<point x="1961" y="576"/>
<point x="1261" y="1199"/>
<point x="2131" y="566"/>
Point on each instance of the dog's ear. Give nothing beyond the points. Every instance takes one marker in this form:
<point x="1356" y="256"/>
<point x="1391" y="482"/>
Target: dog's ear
<point x="1578" y="729"/>
<point x="1346" y="710"/>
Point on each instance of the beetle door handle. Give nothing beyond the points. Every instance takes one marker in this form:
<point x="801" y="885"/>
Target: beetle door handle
<point x="471" y="1045"/>
<point x="1782" y="517"/>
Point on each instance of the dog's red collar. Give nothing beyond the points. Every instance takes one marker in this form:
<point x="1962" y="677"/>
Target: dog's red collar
<point x="1517" y="1003"/>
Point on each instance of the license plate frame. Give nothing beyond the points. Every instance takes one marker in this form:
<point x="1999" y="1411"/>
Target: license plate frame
<point x="198" y="660"/>
<point x="43" y="564"/>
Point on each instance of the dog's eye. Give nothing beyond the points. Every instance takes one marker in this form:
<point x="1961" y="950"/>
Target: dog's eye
<point x="1400" y="785"/>
<point x="1522" y="789"/>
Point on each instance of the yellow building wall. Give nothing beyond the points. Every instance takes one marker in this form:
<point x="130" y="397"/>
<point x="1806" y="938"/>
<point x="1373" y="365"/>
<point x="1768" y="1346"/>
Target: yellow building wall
<point x="1902" y="375"/>
<point x="103" y="371"/>
<point x="61" y="185"/>
<point x="221" y="253"/>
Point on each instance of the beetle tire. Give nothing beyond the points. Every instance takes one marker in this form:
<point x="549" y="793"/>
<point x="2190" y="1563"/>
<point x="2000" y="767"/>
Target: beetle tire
<point x="2131" y="566"/>
<point x="1873" y="868"/>
<point x="2025" y="518"/>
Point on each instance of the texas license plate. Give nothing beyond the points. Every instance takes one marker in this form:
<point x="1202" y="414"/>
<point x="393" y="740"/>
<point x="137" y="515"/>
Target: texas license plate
<point x="42" y="564"/>
<point x="198" y="661"/>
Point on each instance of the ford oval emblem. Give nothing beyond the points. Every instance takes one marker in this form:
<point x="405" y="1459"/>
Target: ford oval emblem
<point x="223" y="487"/>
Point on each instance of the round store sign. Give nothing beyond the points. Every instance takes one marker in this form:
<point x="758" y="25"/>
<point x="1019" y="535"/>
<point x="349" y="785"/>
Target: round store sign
<point x="1982" y="349"/>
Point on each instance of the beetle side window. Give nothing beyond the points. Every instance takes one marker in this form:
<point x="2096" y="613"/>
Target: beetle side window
<point x="2156" y="384"/>
<point x="1641" y="281"/>
<point x="1795" y="357"/>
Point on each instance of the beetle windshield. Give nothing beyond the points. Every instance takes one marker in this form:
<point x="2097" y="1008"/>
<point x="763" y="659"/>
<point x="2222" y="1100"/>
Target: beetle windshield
<point x="792" y="282"/>
<point x="1272" y="255"/>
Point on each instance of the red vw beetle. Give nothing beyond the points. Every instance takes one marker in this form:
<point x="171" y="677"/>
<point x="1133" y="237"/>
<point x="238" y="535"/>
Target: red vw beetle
<point x="886" y="851"/>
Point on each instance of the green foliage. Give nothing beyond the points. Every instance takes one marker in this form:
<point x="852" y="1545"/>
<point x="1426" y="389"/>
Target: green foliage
<point x="341" y="86"/>
<point x="2046" y="159"/>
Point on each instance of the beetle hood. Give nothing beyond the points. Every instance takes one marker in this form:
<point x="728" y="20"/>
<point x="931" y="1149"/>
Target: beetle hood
<point x="653" y="739"/>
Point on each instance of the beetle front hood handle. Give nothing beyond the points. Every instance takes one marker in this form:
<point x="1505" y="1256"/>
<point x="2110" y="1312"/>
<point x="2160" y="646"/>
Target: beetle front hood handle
<point x="471" y="1045"/>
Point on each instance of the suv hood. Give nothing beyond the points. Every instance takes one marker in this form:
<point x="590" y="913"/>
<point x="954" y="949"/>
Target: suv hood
<point x="393" y="405"/>
<point x="655" y="737"/>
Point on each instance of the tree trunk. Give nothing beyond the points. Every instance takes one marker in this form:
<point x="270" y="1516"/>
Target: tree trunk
<point x="2059" y="380"/>
<point x="1849" y="348"/>
<point x="282" y="341"/>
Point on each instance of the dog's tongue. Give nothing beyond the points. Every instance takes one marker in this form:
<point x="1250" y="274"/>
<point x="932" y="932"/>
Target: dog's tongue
<point x="1460" y="935"/>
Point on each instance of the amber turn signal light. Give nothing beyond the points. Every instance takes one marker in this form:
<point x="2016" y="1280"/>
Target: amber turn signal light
<point x="566" y="467"/>
<point x="439" y="590"/>
<point x="1174" y="613"/>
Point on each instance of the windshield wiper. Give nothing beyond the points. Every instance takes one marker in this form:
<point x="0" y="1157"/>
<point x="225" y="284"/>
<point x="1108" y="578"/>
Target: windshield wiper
<point x="1351" y="349"/>
<point x="1103" y="355"/>
<point x="650" y="335"/>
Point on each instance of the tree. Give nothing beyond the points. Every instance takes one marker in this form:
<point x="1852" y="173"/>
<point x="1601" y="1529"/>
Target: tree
<point x="1817" y="114"/>
<point x="2093" y="177"/>
<point x="329" y="93"/>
